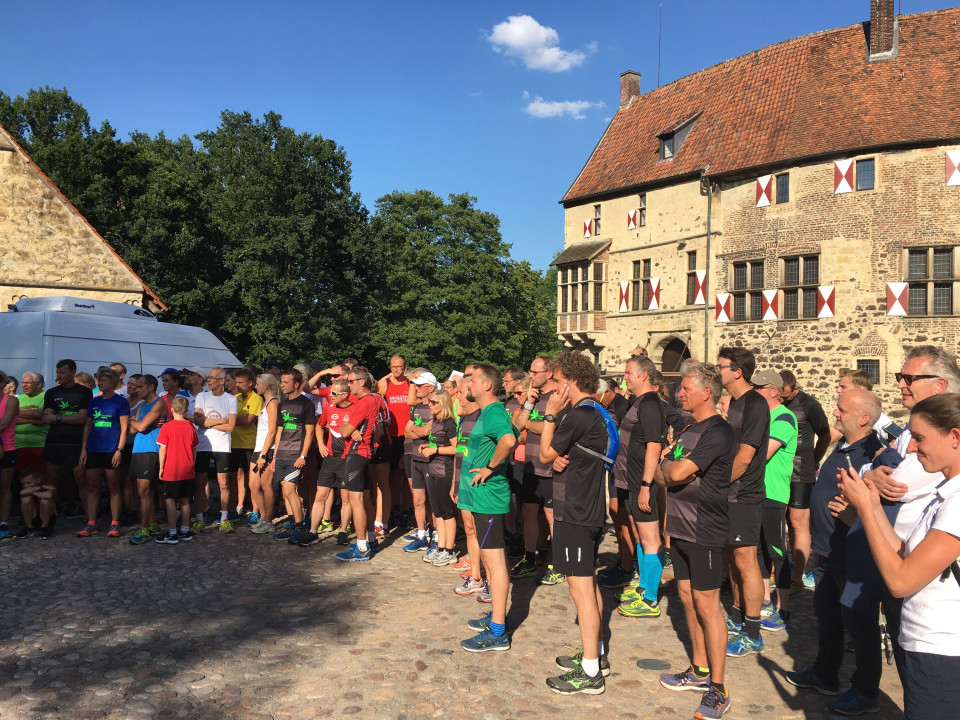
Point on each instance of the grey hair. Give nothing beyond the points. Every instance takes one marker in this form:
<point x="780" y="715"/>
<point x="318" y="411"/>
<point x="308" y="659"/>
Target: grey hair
<point x="705" y="375"/>
<point x="35" y="376"/>
<point x="644" y="364"/>
<point x="941" y="363"/>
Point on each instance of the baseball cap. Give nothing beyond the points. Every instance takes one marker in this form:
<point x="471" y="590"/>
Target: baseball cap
<point x="196" y="369"/>
<point x="768" y="377"/>
<point x="425" y="379"/>
<point x="271" y="363"/>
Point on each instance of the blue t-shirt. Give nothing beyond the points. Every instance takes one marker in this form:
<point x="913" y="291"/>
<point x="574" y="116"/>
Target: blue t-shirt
<point x="146" y="442"/>
<point x="105" y="415"/>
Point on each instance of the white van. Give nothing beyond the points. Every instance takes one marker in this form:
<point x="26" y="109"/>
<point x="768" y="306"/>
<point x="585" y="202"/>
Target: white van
<point x="36" y="333"/>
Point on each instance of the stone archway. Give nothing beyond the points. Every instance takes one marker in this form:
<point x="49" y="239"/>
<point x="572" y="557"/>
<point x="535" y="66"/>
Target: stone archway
<point x="674" y="352"/>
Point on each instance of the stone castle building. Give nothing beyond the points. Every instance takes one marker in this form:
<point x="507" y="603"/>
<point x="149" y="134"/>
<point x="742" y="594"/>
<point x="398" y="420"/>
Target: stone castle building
<point x="802" y="200"/>
<point x="49" y="248"/>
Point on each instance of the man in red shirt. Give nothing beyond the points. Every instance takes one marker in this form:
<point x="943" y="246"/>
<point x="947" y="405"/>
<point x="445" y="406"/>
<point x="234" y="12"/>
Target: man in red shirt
<point x="395" y="389"/>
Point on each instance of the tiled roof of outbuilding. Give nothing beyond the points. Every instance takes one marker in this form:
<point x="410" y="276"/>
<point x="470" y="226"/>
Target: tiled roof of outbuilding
<point x="811" y="96"/>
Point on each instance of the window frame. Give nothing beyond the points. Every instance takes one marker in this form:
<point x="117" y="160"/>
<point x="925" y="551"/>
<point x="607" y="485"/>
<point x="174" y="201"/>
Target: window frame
<point x="748" y="297"/>
<point x="777" y="179"/>
<point x="800" y="297"/>
<point x="856" y="179"/>
<point x="932" y="293"/>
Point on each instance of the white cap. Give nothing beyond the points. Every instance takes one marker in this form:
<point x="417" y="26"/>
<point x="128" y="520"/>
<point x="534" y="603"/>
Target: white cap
<point x="425" y="379"/>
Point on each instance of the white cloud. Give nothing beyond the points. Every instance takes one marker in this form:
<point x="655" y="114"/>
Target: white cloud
<point x="536" y="45"/>
<point x="541" y="108"/>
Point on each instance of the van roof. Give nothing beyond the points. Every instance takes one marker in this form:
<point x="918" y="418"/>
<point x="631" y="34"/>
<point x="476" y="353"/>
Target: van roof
<point x="82" y="306"/>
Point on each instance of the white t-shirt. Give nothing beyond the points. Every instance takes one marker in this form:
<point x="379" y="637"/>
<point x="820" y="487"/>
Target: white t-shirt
<point x="215" y="406"/>
<point x="920" y="485"/>
<point x="929" y="620"/>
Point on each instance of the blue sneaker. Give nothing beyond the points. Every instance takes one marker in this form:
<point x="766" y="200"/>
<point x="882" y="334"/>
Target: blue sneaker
<point x="714" y="705"/>
<point x="416" y="546"/>
<point x="354" y="554"/>
<point x="374" y="546"/>
<point x="480" y="624"/>
<point x="767" y="608"/>
<point x="295" y="536"/>
<point x="486" y="641"/>
<point x="808" y="581"/>
<point x="5" y="532"/>
<point x="284" y="534"/>
<point x="410" y="537"/>
<point x="732" y="627"/>
<point x="743" y="644"/>
<point x="808" y="678"/>
<point x="140" y="536"/>
<point x="773" y="622"/>
<point x="431" y="553"/>
<point x="854" y="702"/>
<point x="253" y="519"/>
<point x="685" y="680"/>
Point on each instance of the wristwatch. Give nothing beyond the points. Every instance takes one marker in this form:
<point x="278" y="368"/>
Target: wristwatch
<point x="646" y="484"/>
<point x="59" y="418"/>
<point x="549" y="418"/>
<point x="491" y="469"/>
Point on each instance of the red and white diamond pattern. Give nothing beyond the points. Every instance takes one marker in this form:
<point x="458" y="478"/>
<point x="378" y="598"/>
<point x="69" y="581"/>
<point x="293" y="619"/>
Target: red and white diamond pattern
<point x="699" y="298"/>
<point x="826" y="301"/>
<point x="624" y="295"/>
<point x="843" y="176"/>
<point x="897" y="299"/>
<point x="723" y="307"/>
<point x="587" y="228"/>
<point x="953" y="167"/>
<point x="632" y="220"/>
<point x="770" y="305"/>
<point x="764" y="190"/>
<point x="654" y="294"/>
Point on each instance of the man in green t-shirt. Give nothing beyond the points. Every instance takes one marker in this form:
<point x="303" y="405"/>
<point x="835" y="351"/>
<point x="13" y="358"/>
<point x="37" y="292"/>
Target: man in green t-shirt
<point x="781" y="449"/>
<point x="31" y="433"/>
<point x="491" y="444"/>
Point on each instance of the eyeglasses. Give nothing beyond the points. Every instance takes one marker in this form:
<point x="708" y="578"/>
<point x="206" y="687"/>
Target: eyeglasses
<point x="353" y="380"/>
<point x="334" y="394"/>
<point x="537" y="372"/>
<point x="214" y="377"/>
<point x="519" y="392"/>
<point x="433" y="402"/>
<point x="725" y="367"/>
<point x="910" y="379"/>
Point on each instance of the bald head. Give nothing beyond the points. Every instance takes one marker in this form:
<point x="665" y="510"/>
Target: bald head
<point x="857" y="411"/>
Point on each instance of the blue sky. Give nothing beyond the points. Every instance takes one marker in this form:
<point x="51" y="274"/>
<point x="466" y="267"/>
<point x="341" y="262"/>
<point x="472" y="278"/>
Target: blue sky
<point x="504" y="101"/>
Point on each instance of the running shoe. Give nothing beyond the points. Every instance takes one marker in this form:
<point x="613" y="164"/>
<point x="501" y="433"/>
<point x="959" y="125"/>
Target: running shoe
<point x="773" y="622"/>
<point x="523" y="569"/>
<point x="571" y="662"/>
<point x="463" y="564"/>
<point x="577" y="681"/>
<point x="614" y="577"/>
<point x="380" y="532"/>
<point x="630" y="594"/>
<point x="374" y="546"/>
<point x="481" y="623"/>
<point x="416" y="546"/>
<point x="552" y="577"/>
<point x="854" y="702"/>
<point x="5" y="532"/>
<point x="168" y="539"/>
<point x="354" y="554"/>
<point x="639" y="608"/>
<point x="140" y="536"/>
<point x="185" y="535"/>
<point x="197" y="527"/>
<point x="253" y="519"/>
<point x="732" y="627"/>
<point x="484" y="596"/>
<point x="154" y="529"/>
<point x="46" y="532"/>
<point x="296" y="536"/>
<point x="808" y="678"/>
<point x="431" y="553"/>
<point x="808" y="581"/>
<point x="263" y="527"/>
<point x="284" y="534"/>
<point x="743" y="644"/>
<point x="410" y="537"/>
<point x="714" y="705"/>
<point x="470" y="586"/>
<point x="686" y="680"/>
<point x="24" y="532"/>
<point x="226" y="527"/>
<point x="444" y="557"/>
<point x="767" y="608"/>
<point x="325" y="526"/>
<point x="114" y="531"/>
<point x="486" y="641"/>
<point x="88" y="530"/>
<point x="343" y="538"/>
<point x="308" y="539"/>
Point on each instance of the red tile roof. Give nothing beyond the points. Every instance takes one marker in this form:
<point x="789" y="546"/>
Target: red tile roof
<point x="811" y="96"/>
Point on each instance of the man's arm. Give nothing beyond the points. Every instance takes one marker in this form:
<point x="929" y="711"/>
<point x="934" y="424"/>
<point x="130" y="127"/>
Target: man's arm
<point x="504" y="449"/>
<point x="150" y="419"/>
<point x="824" y="441"/>
<point x="742" y="461"/>
<point x="671" y="473"/>
<point x="772" y="446"/>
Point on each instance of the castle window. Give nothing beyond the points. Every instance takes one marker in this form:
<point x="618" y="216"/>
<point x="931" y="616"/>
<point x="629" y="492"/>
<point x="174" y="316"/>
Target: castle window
<point x="783" y="188"/>
<point x="799" y="281"/>
<point x="596" y="219"/>
<point x="691" y="277"/>
<point x="865" y="174"/>
<point x="748" y="296"/>
<point x="641" y="284"/>
<point x="643" y="209"/>
<point x="932" y="279"/>
<point x="872" y="367"/>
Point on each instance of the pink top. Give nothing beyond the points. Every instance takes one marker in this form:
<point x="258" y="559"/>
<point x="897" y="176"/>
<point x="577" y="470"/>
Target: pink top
<point x="8" y="435"/>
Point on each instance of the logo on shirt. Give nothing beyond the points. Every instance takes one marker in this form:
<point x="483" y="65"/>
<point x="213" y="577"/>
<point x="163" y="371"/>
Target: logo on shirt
<point x="65" y="408"/>
<point x="419" y="421"/>
<point x="289" y="421"/>
<point x="678" y="451"/>
<point x="100" y="420"/>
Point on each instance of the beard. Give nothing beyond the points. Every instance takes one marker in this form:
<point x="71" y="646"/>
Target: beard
<point x="470" y="397"/>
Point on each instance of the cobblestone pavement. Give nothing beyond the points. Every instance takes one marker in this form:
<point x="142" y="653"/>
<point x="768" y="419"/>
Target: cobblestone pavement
<point x="244" y="626"/>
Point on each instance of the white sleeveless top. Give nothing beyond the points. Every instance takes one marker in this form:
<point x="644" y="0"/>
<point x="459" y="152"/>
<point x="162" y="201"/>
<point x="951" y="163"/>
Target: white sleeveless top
<point x="263" y="425"/>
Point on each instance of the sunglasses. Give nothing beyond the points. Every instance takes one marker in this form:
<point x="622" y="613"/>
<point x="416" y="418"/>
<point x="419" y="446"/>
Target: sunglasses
<point x="910" y="379"/>
<point x="433" y="402"/>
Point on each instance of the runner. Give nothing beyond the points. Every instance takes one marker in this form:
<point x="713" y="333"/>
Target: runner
<point x="244" y="438"/>
<point x="295" y="428"/>
<point x="146" y="421"/>
<point x="416" y="430"/>
<point x="31" y="432"/>
<point x="261" y="472"/>
<point x="470" y="566"/>
<point x="440" y="449"/>
<point x="9" y="411"/>
<point x="395" y="389"/>
<point x="215" y="415"/>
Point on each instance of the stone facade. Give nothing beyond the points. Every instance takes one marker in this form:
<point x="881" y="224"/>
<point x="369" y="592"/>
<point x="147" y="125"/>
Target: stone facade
<point x="49" y="248"/>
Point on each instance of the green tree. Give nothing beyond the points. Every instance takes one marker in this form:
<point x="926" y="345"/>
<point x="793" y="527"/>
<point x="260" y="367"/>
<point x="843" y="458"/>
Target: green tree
<point x="447" y="292"/>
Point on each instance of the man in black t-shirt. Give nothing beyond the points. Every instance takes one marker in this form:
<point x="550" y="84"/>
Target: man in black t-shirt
<point x="696" y="472"/>
<point x="811" y="423"/>
<point x="749" y="416"/>
<point x="576" y="442"/>
<point x="296" y="423"/>
<point x="65" y="412"/>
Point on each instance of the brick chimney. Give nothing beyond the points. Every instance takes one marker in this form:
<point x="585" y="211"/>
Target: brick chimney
<point x="883" y="30"/>
<point x="629" y="88"/>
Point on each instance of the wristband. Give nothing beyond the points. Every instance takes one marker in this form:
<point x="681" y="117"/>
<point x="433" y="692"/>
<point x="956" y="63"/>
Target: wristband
<point x="303" y="457"/>
<point x="646" y="484"/>
<point x="491" y="469"/>
<point x="549" y="418"/>
<point x="528" y="406"/>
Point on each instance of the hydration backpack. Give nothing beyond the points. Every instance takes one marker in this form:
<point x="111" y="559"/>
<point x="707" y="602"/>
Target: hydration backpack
<point x="613" y="436"/>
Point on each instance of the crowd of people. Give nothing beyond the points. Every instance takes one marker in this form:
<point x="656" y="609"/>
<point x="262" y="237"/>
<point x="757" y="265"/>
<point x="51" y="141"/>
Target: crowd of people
<point x="734" y="469"/>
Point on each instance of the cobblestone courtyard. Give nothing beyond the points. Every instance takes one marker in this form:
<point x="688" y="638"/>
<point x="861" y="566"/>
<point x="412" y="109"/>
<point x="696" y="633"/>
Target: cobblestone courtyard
<point x="243" y="626"/>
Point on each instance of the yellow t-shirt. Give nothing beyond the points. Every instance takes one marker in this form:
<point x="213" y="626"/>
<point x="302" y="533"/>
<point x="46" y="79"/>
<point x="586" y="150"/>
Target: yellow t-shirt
<point x="244" y="438"/>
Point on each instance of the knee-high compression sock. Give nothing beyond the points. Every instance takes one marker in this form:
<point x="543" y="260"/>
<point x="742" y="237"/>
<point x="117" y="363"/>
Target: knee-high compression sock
<point x="652" y="571"/>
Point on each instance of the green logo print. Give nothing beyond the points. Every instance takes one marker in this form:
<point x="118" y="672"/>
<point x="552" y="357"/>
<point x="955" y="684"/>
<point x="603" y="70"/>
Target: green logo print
<point x="289" y="421"/>
<point x="101" y="420"/>
<point x="536" y="415"/>
<point x="418" y="421"/>
<point x="678" y="451"/>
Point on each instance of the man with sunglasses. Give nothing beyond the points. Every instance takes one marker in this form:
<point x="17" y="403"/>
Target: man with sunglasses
<point x="905" y="491"/>
<point x="536" y="487"/>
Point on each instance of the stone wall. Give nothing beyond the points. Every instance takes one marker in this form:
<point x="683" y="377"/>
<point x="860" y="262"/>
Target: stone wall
<point x="48" y="248"/>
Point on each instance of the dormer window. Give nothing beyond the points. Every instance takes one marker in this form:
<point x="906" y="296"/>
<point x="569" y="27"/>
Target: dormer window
<point x="672" y="139"/>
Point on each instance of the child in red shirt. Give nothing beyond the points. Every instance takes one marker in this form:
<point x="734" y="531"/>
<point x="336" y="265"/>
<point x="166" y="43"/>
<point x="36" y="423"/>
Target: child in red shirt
<point x="177" y="443"/>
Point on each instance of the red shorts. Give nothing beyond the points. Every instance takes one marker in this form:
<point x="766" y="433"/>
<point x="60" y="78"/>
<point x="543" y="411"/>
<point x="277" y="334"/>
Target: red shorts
<point x="31" y="458"/>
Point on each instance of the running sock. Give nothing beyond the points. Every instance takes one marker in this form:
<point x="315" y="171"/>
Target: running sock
<point x="785" y="615"/>
<point x="377" y="524"/>
<point x="224" y="515"/>
<point x="653" y="571"/>
<point x="422" y="534"/>
<point x="601" y="650"/>
<point x="751" y="627"/>
<point x="719" y="688"/>
<point x="736" y="614"/>
<point x="362" y="545"/>
<point x="498" y="629"/>
<point x="591" y="666"/>
<point x="199" y="517"/>
<point x="700" y="672"/>
<point x="530" y="557"/>
<point x="371" y="536"/>
<point x="184" y="529"/>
